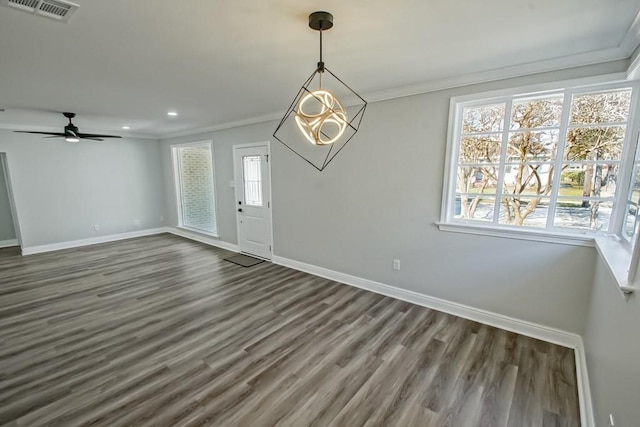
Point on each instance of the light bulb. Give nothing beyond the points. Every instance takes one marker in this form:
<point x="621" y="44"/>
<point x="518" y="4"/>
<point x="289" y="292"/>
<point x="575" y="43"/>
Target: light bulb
<point x="72" y="139"/>
<point x="331" y="113"/>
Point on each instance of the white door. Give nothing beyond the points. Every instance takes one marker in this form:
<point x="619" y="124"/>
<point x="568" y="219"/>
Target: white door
<point x="253" y="199"/>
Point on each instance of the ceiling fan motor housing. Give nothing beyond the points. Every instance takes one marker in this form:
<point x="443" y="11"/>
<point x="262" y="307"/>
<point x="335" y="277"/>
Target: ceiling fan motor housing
<point x="71" y="129"/>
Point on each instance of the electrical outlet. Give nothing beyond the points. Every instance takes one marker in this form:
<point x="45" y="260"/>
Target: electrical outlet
<point x="96" y="227"/>
<point x="136" y="222"/>
<point x="611" y="421"/>
<point x="396" y="264"/>
<point x="232" y="183"/>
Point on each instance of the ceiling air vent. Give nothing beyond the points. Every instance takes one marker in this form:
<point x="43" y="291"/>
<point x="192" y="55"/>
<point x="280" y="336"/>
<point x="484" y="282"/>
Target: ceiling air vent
<point x="59" y="10"/>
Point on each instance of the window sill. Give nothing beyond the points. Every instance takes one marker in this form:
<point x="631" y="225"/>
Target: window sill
<point x="617" y="256"/>
<point x="614" y="252"/>
<point x="515" y="233"/>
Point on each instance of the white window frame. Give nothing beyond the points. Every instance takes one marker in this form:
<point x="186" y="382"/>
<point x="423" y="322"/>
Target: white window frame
<point x="178" y="188"/>
<point x="620" y="255"/>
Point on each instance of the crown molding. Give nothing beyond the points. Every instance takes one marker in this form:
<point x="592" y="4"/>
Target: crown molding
<point x="624" y="51"/>
<point x="631" y="39"/>
<point x="633" y="71"/>
<point x="520" y="70"/>
<point x="590" y="58"/>
<point x="223" y="126"/>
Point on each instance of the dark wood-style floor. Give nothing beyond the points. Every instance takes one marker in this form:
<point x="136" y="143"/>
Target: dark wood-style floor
<point x="161" y="331"/>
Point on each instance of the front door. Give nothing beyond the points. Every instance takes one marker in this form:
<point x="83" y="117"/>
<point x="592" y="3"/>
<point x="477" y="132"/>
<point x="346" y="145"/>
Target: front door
<point x="253" y="199"/>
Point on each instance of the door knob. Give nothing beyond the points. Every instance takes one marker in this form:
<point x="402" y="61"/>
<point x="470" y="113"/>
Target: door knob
<point x="239" y="209"/>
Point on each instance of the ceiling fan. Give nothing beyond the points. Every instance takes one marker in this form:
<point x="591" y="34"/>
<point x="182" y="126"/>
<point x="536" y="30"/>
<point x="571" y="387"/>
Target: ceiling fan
<point x="71" y="132"/>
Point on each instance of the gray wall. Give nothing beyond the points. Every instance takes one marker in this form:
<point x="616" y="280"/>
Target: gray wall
<point x="379" y="200"/>
<point x="612" y="345"/>
<point x="7" y="231"/>
<point x="62" y="189"/>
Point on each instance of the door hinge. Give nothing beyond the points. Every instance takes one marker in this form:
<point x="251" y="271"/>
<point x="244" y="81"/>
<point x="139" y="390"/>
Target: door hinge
<point x="268" y="204"/>
<point x="267" y="156"/>
<point x="269" y="248"/>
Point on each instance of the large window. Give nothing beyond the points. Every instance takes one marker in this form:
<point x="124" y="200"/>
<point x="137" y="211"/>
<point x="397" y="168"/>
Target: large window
<point x="193" y="166"/>
<point x="559" y="162"/>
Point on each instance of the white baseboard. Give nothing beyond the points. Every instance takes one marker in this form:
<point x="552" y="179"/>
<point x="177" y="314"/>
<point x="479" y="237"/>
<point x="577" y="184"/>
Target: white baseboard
<point x="522" y="327"/>
<point x="541" y="332"/>
<point x="519" y="326"/>
<point x="8" y="243"/>
<point x="587" y="417"/>
<point x="122" y="236"/>
<point x="92" y="241"/>
<point x="208" y="240"/>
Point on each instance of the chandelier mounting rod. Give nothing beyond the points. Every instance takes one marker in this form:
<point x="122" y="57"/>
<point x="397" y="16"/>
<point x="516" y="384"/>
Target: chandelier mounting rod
<point x="321" y="21"/>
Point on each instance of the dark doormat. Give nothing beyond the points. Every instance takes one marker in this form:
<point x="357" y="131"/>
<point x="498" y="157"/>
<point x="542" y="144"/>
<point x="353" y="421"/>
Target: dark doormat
<point x="244" y="260"/>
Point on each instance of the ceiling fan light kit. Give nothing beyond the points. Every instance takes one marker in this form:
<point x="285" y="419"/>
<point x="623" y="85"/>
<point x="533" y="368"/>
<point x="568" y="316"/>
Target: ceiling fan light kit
<point x="317" y="125"/>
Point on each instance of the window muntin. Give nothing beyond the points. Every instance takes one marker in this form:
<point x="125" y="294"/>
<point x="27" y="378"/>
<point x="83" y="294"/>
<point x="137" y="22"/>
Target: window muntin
<point x="508" y="153"/>
<point x="195" y="187"/>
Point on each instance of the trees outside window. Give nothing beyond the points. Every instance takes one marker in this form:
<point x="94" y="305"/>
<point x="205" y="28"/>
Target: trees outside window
<point x="544" y="160"/>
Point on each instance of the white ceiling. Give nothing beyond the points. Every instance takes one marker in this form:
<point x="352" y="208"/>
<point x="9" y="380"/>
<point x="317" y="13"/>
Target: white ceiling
<point x="128" y="62"/>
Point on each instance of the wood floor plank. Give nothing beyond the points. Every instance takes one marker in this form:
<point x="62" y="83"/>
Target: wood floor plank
<point x="161" y="331"/>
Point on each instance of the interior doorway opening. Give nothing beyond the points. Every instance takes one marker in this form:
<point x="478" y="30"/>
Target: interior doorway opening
<point x="10" y="240"/>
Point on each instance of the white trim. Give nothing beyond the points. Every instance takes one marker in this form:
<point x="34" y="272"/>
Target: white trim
<point x="453" y="134"/>
<point x="623" y="51"/>
<point x="4" y="164"/>
<point x="522" y="327"/>
<point x="195" y="230"/>
<point x="31" y="250"/>
<point x="555" y="64"/>
<point x="237" y="186"/>
<point x="202" y="238"/>
<point x="631" y="39"/>
<point x="177" y="178"/>
<point x="515" y="233"/>
<point x="549" y="233"/>
<point x="599" y="83"/>
<point x="8" y="243"/>
<point x="633" y="72"/>
<point x="520" y="70"/>
<point x="226" y="125"/>
<point x="587" y="417"/>
<point x="617" y="255"/>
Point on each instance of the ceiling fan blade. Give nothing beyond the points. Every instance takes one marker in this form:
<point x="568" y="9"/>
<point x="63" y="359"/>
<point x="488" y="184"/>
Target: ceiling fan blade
<point x="92" y="139"/>
<point x="96" y="135"/>
<point x="41" y="133"/>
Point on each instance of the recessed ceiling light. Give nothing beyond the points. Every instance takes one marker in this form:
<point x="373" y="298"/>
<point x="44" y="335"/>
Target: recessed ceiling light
<point x="172" y="113"/>
<point x="126" y="127"/>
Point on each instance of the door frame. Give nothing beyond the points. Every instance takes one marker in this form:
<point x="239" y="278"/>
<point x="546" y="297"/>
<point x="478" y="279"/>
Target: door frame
<point x="266" y="144"/>
<point x="4" y="160"/>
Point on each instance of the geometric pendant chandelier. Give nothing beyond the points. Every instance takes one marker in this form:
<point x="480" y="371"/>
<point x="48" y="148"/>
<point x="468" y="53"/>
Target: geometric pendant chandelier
<point x="324" y="115"/>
